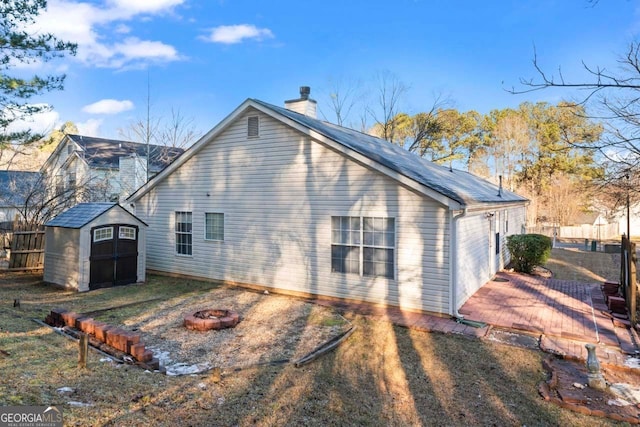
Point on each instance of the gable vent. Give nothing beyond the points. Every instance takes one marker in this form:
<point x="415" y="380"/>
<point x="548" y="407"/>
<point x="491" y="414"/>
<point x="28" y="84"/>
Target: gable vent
<point x="253" y="126"/>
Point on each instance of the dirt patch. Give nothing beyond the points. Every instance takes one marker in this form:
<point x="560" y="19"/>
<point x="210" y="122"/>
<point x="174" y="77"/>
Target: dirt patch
<point x="272" y="329"/>
<point x="568" y="387"/>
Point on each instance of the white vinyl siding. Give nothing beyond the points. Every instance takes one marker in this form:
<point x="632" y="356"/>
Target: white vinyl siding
<point x="279" y="192"/>
<point x="480" y="253"/>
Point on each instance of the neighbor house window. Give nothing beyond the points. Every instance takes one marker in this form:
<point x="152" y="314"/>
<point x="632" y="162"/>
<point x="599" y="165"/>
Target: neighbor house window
<point x="59" y="184"/>
<point x="253" y="126"/>
<point x="100" y="234"/>
<point x="128" y="233"/>
<point x="213" y="226"/>
<point x="363" y="245"/>
<point x="184" y="237"/>
<point x="72" y="180"/>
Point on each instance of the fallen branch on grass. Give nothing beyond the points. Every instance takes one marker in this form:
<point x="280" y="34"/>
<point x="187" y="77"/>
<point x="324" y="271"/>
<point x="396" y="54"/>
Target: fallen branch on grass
<point x="103" y="310"/>
<point x="324" y="348"/>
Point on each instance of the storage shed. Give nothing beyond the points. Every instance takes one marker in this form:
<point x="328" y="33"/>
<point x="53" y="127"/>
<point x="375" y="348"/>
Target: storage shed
<point x="94" y="245"/>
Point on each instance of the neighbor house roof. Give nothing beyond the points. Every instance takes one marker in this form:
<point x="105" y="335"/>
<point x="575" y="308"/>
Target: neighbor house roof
<point x="106" y="153"/>
<point x="10" y="184"/>
<point x="82" y="214"/>
<point x="462" y="188"/>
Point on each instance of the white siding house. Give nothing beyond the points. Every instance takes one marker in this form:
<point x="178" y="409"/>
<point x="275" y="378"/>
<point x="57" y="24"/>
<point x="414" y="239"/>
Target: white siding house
<point x="278" y="199"/>
<point x="105" y="169"/>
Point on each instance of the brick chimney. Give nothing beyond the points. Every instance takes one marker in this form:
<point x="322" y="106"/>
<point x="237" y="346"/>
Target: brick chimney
<point x="304" y="104"/>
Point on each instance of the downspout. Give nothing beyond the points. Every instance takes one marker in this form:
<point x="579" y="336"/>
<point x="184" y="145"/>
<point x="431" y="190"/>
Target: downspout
<point x="454" y="264"/>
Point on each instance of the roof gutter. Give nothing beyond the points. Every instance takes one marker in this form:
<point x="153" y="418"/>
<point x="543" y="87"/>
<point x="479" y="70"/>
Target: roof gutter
<point x="454" y="264"/>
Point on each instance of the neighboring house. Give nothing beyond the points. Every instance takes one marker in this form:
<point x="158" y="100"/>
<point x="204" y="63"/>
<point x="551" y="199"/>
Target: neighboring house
<point x="274" y="197"/>
<point x="106" y="169"/>
<point x="12" y="196"/>
<point x="619" y="217"/>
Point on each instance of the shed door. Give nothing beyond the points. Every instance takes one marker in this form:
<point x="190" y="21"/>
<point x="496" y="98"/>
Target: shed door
<point x="114" y="256"/>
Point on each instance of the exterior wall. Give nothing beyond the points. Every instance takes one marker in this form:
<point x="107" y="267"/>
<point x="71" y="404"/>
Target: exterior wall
<point x="132" y="175"/>
<point x="278" y="193"/>
<point x="477" y="257"/>
<point x="61" y="257"/>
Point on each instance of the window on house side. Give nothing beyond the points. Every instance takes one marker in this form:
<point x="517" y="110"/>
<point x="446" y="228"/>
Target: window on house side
<point x="213" y="226"/>
<point x="363" y="246"/>
<point x="184" y="236"/>
<point x="253" y="126"/>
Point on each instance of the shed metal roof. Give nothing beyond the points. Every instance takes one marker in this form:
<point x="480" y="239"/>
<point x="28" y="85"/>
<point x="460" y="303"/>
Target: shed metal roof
<point x="83" y="213"/>
<point x="463" y="187"/>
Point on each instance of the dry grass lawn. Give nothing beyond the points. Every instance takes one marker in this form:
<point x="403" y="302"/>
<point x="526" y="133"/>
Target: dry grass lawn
<point x="381" y="376"/>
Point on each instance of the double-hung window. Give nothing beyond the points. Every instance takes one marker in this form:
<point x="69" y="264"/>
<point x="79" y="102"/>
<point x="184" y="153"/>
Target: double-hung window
<point x="213" y="226"/>
<point x="363" y="245"/>
<point x="184" y="235"/>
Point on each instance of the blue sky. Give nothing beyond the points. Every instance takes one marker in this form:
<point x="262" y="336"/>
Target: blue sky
<point x="204" y="57"/>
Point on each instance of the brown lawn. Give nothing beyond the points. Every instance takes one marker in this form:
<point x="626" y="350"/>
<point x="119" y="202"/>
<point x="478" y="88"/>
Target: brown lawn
<point x="381" y="376"/>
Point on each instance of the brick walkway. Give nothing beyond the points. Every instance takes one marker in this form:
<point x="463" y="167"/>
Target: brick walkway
<point x="563" y="315"/>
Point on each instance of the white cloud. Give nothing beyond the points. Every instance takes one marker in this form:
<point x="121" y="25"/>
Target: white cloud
<point x="42" y="123"/>
<point x="108" y="106"/>
<point x="90" y="128"/>
<point x="231" y="34"/>
<point x="97" y="29"/>
<point x="144" y="6"/>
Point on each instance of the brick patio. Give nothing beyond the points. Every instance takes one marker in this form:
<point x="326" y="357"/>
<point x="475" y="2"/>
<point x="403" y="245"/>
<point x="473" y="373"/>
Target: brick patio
<point x="563" y="315"/>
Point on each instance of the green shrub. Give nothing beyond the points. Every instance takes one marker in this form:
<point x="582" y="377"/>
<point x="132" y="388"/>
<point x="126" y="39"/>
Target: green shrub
<point x="528" y="250"/>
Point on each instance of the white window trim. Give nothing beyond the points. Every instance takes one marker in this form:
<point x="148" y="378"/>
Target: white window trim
<point x="205" y="227"/>
<point x="362" y="246"/>
<point x="125" y="237"/>
<point x="176" y="232"/>
<point x="102" y="239"/>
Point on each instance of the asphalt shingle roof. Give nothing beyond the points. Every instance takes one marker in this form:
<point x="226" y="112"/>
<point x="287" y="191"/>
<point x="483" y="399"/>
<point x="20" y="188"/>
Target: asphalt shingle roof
<point x="463" y="187"/>
<point x="105" y="153"/>
<point x="80" y="215"/>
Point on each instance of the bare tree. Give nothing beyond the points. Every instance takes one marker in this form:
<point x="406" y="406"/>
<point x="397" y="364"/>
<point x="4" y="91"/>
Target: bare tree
<point x="39" y="197"/>
<point x="344" y="96"/>
<point x="390" y="91"/>
<point x="612" y="98"/>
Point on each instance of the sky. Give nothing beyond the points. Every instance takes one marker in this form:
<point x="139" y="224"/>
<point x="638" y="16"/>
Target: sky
<point x="203" y="58"/>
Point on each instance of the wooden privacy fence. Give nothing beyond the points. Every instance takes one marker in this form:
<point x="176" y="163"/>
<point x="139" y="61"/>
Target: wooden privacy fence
<point x="27" y="249"/>
<point x="628" y="276"/>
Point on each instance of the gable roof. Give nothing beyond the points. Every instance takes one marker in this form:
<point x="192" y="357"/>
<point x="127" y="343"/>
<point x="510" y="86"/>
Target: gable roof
<point x="83" y="213"/>
<point x="451" y="187"/>
<point x="10" y="195"/>
<point x="105" y="153"/>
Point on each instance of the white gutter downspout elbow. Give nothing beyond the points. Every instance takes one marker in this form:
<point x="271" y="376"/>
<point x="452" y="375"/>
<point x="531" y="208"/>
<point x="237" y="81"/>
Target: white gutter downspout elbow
<point x="453" y="310"/>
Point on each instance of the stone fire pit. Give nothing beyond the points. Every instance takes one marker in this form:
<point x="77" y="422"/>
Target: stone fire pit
<point x="205" y="320"/>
